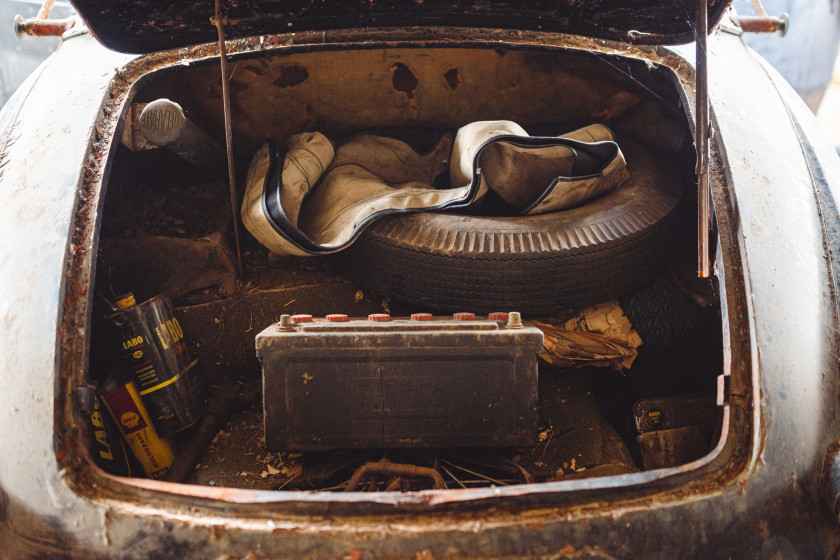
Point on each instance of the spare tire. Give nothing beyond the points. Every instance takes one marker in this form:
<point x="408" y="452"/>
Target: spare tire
<point x="539" y="264"/>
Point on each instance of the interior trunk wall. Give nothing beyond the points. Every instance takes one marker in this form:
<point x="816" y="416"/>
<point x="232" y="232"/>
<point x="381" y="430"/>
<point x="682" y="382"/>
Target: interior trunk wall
<point x="346" y="91"/>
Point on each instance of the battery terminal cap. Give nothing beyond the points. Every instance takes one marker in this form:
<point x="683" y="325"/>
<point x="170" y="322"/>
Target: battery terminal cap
<point x="285" y="323"/>
<point x="301" y="318"/>
<point x="422" y="316"/>
<point x="379" y="317"/>
<point x="463" y="316"/>
<point x="337" y="318"/>
<point x="498" y="316"/>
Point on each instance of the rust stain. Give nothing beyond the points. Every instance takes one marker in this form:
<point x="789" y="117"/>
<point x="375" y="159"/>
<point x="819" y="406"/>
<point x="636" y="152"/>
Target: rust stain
<point x="452" y="78"/>
<point x="309" y="116"/>
<point x="291" y="76"/>
<point x="254" y="69"/>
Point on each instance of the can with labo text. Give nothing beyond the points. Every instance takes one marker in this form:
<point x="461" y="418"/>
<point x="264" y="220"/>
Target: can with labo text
<point x="166" y="377"/>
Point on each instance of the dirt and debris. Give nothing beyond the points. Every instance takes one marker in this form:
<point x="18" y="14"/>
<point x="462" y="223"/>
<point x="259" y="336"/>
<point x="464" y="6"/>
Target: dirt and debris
<point x="574" y="438"/>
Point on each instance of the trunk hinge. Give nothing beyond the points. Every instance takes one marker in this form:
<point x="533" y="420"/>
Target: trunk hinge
<point x="228" y="132"/>
<point x="701" y="141"/>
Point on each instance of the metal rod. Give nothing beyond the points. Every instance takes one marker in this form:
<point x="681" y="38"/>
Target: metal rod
<point x="759" y="8"/>
<point x="702" y="141"/>
<point x="46" y="9"/>
<point x="385" y="467"/>
<point x="228" y="134"/>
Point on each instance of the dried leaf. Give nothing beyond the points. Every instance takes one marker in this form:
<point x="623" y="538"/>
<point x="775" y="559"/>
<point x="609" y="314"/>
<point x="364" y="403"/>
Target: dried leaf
<point x="291" y="471"/>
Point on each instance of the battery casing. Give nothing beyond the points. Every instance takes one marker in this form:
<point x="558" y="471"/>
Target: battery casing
<point x="399" y="383"/>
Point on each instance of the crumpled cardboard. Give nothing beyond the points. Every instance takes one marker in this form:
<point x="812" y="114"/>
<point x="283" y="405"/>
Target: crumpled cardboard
<point x="597" y="336"/>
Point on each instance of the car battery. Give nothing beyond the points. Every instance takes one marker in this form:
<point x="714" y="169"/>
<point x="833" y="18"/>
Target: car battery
<point x="419" y="382"/>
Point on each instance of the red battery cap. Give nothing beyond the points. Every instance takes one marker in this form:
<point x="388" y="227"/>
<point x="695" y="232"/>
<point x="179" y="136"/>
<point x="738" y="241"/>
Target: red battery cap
<point x="301" y="318"/>
<point x="422" y="316"/>
<point x="498" y="316"/>
<point x="380" y="317"/>
<point x="463" y="316"/>
<point x="337" y="318"/>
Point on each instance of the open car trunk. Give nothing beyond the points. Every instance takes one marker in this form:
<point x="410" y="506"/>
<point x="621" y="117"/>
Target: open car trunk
<point x="167" y="228"/>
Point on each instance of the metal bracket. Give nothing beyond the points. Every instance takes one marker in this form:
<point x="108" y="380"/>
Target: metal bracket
<point x="702" y="141"/>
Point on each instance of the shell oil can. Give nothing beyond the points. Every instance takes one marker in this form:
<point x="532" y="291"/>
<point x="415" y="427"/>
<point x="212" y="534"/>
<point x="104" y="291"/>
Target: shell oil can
<point x="121" y="398"/>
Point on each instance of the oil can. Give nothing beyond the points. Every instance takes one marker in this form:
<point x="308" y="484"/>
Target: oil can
<point x="122" y="400"/>
<point x="153" y="342"/>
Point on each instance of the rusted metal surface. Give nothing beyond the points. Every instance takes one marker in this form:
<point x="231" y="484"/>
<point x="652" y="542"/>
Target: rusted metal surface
<point x="387" y="468"/>
<point x="35" y="27"/>
<point x="778" y="349"/>
<point x="763" y="24"/>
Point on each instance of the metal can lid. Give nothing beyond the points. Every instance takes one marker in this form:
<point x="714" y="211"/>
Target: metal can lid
<point x="302" y="318"/>
<point x="463" y="316"/>
<point x="337" y="318"/>
<point x="498" y="316"/>
<point x="422" y="316"/>
<point x="380" y="317"/>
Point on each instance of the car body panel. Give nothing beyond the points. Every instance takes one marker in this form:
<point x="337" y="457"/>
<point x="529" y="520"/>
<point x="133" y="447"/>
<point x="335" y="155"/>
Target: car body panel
<point x="757" y="494"/>
<point x="43" y="154"/>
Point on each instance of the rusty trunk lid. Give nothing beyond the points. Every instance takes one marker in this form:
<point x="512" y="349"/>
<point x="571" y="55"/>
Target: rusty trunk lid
<point x="144" y="26"/>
